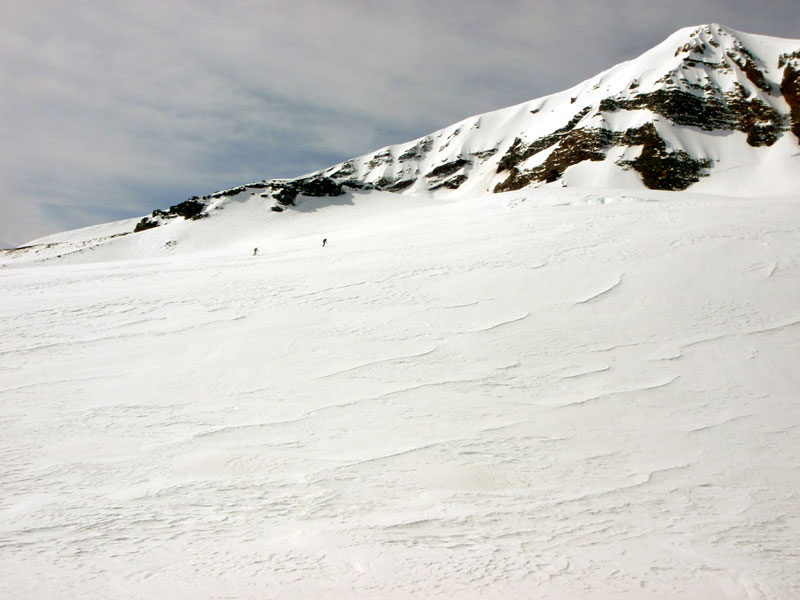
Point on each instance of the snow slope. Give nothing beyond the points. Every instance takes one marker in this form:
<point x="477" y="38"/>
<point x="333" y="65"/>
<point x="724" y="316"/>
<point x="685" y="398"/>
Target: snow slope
<point x="548" y="393"/>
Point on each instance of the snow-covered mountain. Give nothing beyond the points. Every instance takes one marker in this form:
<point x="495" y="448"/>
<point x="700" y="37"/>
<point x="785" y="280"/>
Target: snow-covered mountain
<point x="710" y="108"/>
<point x="706" y="100"/>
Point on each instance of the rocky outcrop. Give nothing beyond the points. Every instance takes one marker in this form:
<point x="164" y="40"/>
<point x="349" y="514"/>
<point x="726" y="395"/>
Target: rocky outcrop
<point x="228" y="192"/>
<point x="659" y="168"/>
<point x="286" y="191"/>
<point x="191" y="209"/>
<point x="790" y="88"/>
<point x="745" y="60"/>
<point x="145" y="224"/>
<point x="573" y="147"/>
<point x="729" y="111"/>
<point x="399" y="185"/>
<point x="448" y="168"/>
<point x="451" y="184"/>
<point x="417" y="151"/>
<point x="706" y="80"/>
<point x="520" y="152"/>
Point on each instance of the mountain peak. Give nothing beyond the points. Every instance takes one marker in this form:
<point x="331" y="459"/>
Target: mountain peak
<point x="710" y="108"/>
<point x="700" y="102"/>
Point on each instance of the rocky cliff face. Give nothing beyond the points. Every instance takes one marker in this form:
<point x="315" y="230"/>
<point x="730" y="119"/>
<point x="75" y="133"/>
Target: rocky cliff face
<point x="680" y="112"/>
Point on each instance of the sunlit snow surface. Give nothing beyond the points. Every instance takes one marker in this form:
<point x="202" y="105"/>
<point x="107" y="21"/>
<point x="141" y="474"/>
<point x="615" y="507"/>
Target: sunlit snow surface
<point x="543" y="394"/>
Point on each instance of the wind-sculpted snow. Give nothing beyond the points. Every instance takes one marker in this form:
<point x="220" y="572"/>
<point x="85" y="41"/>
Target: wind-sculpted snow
<point x="539" y="394"/>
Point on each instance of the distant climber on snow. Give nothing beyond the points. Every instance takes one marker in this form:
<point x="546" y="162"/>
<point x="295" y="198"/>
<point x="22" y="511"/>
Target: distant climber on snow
<point x="255" y="251"/>
<point x="324" y="242"/>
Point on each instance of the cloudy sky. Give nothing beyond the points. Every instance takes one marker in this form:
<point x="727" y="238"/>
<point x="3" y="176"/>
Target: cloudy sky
<point x="111" y="109"/>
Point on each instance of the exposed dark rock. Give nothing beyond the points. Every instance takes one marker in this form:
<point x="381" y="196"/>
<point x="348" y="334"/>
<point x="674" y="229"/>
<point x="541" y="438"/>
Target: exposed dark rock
<point x="731" y="111"/>
<point x="400" y="185"/>
<point x="574" y="120"/>
<point x="740" y="90"/>
<point x="519" y="151"/>
<point x="745" y="61"/>
<point x="790" y="88"/>
<point x="320" y="186"/>
<point x="695" y="47"/>
<point x="452" y="183"/>
<point x="484" y="154"/>
<point x="762" y="136"/>
<point x="448" y="168"/>
<point x="286" y="195"/>
<point x="346" y="170"/>
<point x="516" y="153"/>
<point x="682" y="108"/>
<point x="144" y="224"/>
<point x="574" y="147"/>
<point x="276" y="208"/>
<point x="382" y="158"/>
<point x="762" y="123"/>
<point x="230" y="192"/>
<point x="190" y="209"/>
<point x="357" y="184"/>
<point x="286" y="191"/>
<point x="385" y="182"/>
<point x="417" y="151"/>
<point x="788" y="57"/>
<point x="659" y="168"/>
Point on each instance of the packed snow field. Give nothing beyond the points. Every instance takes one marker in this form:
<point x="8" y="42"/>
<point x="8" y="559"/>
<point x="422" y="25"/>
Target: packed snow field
<point x="543" y="394"/>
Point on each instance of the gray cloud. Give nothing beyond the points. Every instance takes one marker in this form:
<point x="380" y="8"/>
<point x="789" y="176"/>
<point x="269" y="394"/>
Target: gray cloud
<point x="112" y="109"/>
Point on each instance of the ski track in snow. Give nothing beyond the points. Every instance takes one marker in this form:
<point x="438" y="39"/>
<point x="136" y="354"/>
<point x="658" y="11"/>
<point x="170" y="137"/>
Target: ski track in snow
<point x="425" y="416"/>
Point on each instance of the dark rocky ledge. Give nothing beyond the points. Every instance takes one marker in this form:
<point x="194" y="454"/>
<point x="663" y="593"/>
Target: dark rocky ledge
<point x="417" y="151"/>
<point x="659" y="168"/>
<point x="191" y="209"/>
<point x="743" y="59"/>
<point x="145" y="224"/>
<point x="450" y="184"/>
<point x="382" y="158"/>
<point x="713" y="111"/>
<point x="286" y="191"/>
<point x="400" y="185"/>
<point x="790" y="88"/>
<point x="520" y="151"/>
<point x="229" y="192"/>
<point x="447" y="168"/>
